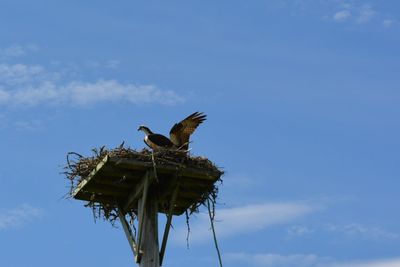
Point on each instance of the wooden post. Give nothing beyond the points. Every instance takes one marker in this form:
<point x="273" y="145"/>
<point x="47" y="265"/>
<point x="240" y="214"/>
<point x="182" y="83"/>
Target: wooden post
<point x="149" y="241"/>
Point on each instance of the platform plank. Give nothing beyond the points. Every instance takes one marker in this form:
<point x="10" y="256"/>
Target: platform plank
<point x="92" y="174"/>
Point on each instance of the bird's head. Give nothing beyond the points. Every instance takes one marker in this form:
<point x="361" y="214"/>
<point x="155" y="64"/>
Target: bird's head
<point x="145" y="129"/>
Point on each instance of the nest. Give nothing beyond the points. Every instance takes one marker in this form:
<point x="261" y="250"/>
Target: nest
<point x="79" y="167"/>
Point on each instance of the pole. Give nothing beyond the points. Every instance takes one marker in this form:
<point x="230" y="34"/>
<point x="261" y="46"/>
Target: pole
<point x="149" y="241"/>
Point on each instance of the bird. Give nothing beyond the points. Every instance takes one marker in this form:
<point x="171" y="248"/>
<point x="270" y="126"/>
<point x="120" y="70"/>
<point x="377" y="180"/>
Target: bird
<point x="179" y="134"/>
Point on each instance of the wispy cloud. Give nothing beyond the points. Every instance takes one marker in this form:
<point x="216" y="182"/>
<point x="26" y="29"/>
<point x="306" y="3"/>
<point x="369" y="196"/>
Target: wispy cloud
<point x="250" y="218"/>
<point x="17" y="50"/>
<point x="22" y="74"/>
<point x="362" y="14"/>
<point x="340" y="11"/>
<point x="342" y="15"/>
<point x="302" y="260"/>
<point x="355" y="12"/>
<point x="112" y="91"/>
<point x="32" y="85"/>
<point x="359" y="230"/>
<point x="372" y="263"/>
<point x="81" y="93"/>
<point x="275" y="260"/>
<point x="366" y="14"/>
<point x="387" y="23"/>
<point x="299" y="230"/>
<point x="350" y="230"/>
<point x="16" y="217"/>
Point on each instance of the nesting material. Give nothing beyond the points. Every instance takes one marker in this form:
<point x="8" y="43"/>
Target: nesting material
<point x="113" y="178"/>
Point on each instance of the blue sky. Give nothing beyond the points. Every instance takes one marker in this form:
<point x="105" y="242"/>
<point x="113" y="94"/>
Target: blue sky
<point x="302" y="99"/>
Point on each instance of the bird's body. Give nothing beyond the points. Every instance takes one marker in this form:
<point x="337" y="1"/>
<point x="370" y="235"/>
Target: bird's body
<point x="156" y="141"/>
<point x="179" y="134"/>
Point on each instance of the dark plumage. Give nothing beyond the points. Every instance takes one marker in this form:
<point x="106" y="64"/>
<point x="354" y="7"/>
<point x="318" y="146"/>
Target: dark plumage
<point x="179" y="134"/>
<point x="155" y="141"/>
<point x="181" y="131"/>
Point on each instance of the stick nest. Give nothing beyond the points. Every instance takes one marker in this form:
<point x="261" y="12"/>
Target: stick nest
<point x="79" y="167"/>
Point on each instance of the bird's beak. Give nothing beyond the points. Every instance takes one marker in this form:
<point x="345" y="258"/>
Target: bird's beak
<point x="138" y="129"/>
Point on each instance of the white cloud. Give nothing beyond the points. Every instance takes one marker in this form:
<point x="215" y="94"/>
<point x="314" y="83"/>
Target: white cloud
<point x="25" y="85"/>
<point x="351" y="230"/>
<point x="13" y="51"/>
<point x="44" y="93"/>
<point x="388" y="23"/>
<point x="17" y="50"/>
<point x="250" y="218"/>
<point x="373" y="263"/>
<point x="301" y="260"/>
<point x="366" y="14"/>
<point x="360" y="13"/>
<point x="338" y="10"/>
<point x="274" y="260"/>
<point x="299" y="230"/>
<point x="359" y="230"/>
<point x="18" y="216"/>
<point x="111" y="91"/>
<point x="4" y="95"/>
<point x="19" y="73"/>
<point x="342" y="15"/>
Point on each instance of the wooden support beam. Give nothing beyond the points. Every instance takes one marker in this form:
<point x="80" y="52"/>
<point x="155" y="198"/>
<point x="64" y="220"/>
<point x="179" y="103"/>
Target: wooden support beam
<point x="168" y="223"/>
<point x="149" y="224"/>
<point x="142" y="209"/>
<point x="128" y="233"/>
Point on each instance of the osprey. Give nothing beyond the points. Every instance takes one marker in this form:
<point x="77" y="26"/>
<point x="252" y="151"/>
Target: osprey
<point x="178" y="136"/>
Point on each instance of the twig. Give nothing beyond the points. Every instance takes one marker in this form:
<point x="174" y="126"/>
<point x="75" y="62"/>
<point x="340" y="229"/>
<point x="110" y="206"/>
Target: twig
<point x="154" y="166"/>
<point x="188" y="229"/>
<point x="213" y="230"/>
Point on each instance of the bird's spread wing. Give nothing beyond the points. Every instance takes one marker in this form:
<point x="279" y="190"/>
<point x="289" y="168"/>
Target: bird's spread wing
<point x="180" y="132"/>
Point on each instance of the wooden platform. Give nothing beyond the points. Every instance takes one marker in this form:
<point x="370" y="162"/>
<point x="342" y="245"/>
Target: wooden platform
<point x="122" y="181"/>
